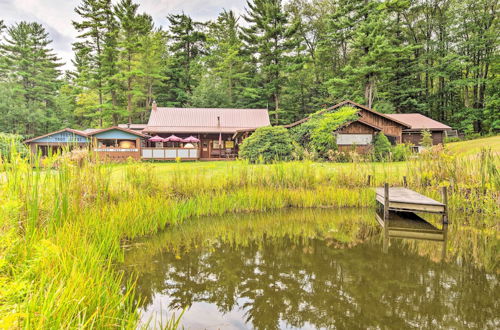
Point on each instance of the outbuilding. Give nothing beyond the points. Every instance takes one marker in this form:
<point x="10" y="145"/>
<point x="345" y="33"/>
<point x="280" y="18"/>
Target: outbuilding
<point x="419" y="123"/>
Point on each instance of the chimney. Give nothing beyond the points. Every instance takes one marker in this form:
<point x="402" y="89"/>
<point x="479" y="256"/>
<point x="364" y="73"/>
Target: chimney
<point x="154" y="107"/>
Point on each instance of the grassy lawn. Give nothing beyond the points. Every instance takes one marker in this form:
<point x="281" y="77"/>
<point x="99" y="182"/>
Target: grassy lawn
<point x="474" y="146"/>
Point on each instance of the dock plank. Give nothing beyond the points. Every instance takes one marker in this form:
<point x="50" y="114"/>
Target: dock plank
<point x="407" y="196"/>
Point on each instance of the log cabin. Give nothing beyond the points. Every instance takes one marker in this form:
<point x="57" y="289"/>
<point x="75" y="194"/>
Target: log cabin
<point x="418" y="123"/>
<point x="359" y="134"/>
<point x="399" y="128"/>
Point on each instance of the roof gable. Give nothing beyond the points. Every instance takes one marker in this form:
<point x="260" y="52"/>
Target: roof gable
<point x="417" y="121"/>
<point x="206" y="120"/>
<point x="66" y="135"/>
<point x="353" y="104"/>
<point x="116" y="133"/>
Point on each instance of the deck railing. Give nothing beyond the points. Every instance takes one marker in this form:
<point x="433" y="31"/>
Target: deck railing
<point x="170" y="153"/>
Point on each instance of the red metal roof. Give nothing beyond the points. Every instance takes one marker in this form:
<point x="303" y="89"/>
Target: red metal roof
<point x="205" y="120"/>
<point x="417" y="121"/>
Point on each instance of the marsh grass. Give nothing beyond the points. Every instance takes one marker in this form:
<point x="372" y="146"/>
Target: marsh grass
<point x="63" y="224"/>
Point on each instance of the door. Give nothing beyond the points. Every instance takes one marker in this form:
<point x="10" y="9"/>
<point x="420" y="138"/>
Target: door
<point x="205" y="148"/>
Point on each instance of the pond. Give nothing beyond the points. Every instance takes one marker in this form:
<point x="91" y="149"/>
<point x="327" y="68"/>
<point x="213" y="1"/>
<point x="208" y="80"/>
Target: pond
<point x="313" y="268"/>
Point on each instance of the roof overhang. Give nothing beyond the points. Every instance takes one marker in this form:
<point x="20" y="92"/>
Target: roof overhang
<point x="130" y="131"/>
<point x="354" y="104"/>
<point x="70" y="130"/>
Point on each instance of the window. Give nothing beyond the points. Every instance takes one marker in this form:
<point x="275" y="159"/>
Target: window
<point x="215" y="144"/>
<point x="357" y="139"/>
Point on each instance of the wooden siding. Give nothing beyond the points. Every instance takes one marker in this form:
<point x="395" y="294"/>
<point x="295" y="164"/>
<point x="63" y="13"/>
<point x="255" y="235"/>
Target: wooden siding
<point x="388" y="126"/>
<point x="416" y="137"/>
<point x="61" y="137"/>
<point x="118" y="156"/>
<point x="358" y="149"/>
<point x="357" y="128"/>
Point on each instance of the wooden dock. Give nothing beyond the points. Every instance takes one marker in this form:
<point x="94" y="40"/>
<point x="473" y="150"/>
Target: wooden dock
<point x="399" y="219"/>
<point x="404" y="199"/>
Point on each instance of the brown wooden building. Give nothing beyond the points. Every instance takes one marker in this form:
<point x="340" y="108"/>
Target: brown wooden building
<point x="220" y="130"/>
<point x="399" y="128"/>
<point x="360" y="133"/>
<point x="418" y="123"/>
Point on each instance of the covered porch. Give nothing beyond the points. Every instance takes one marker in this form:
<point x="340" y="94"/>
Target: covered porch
<point x="164" y="146"/>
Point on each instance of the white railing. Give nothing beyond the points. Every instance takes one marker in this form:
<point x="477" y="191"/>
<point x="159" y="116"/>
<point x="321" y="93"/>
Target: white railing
<point x="115" y="150"/>
<point x="169" y="153"/>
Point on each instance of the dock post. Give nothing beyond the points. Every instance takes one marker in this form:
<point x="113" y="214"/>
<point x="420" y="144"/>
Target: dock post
<point x="444" y="193"/>
<point x="405" y="183"/>
<point x="369" y="179"/>
<point x="386" y="207"/>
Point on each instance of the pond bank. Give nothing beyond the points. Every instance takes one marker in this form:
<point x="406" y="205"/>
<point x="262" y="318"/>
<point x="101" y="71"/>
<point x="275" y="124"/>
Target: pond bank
<point x="61" y="233"/>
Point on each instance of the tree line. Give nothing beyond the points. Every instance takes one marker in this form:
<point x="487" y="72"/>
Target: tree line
<point x="436" y="57"/>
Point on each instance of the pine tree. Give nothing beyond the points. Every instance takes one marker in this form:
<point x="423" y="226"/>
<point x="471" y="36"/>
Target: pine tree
<point x="269" y="39"/>
<point x="32" y="78"/>
<point x="186" y="45"/>
<point x="225" y="67"/>
<point x="151" y="65"/>
<point x="94" y="29"/>
<point x="132" y="27"/>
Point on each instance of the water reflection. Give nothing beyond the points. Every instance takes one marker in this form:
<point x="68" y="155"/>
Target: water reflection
<point x="306" y="269"/>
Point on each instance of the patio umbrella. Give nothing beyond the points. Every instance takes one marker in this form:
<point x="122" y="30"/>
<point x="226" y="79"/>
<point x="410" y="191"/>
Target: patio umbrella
<point x="173" y="138"/>
<point x="156" y="139"/>
<point x="191" y="139"/>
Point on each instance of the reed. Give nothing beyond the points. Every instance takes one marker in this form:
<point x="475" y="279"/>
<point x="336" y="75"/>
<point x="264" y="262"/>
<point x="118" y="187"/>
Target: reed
<point x="63" y="224"/>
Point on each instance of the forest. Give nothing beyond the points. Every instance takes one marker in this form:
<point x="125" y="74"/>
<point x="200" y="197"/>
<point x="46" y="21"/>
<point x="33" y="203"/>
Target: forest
<point x="436" y="57"/>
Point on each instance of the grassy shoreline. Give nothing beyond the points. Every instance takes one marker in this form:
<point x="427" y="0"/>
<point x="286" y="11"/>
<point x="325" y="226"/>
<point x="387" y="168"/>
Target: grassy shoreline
<point x="62" y="231"/>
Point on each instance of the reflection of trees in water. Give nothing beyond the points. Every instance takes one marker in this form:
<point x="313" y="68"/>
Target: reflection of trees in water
<point x="306" y="280"/>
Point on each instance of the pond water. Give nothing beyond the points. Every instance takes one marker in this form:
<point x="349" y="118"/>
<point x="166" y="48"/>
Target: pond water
<point x="313" y="268"/>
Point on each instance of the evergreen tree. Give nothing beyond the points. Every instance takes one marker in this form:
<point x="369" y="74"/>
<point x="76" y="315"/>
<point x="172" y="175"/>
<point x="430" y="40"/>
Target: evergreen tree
<point x="132" y="27"/>
<point x="31" y="81"/>
<point x="186" y="45"/>
<point x="226" y="70"/>
<point x="151" y="65"/>
<point x="269" y="39"/>
<point x="96" y="27"/>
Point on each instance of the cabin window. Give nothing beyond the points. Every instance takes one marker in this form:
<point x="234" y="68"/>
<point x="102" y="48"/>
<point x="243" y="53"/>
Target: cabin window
<point x="357" y="139"/>
<point x="216" y="145"/>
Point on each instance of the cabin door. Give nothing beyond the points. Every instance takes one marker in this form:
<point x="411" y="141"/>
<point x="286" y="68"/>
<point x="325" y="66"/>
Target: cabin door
<point x="205" y="148"/>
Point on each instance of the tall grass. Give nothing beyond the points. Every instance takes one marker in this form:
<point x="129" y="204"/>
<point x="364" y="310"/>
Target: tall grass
<point x="62" y="226"/>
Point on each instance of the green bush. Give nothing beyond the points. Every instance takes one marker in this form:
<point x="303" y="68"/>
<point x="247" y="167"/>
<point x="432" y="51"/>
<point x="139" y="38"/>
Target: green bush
<point x="10" y="143"/>
<point x="426" y="138"/>
<point x="401" y="152"/>
<point x="316" y="135"/>
<point x="382" y="147"/>
<point x="267" y="144"/>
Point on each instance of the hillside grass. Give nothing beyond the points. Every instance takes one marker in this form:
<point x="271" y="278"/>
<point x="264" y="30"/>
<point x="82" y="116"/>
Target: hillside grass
<point x="473" y="147"/>
<point x="62" y="230"/>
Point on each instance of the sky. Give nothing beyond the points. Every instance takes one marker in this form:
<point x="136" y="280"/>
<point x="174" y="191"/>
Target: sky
<point x="56" y="16"/>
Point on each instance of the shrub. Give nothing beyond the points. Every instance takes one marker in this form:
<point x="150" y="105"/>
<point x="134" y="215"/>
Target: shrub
<point x="382" y="146"/>
<point x="267" y="144"/>
<point x="10" y="143"/>
<point x="401" y="152"/>
<point x="316" y="135"/>
<point x="426" y="139"/>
